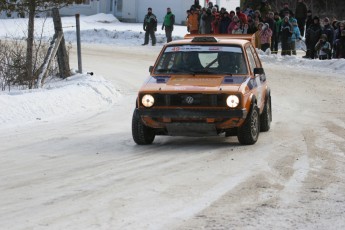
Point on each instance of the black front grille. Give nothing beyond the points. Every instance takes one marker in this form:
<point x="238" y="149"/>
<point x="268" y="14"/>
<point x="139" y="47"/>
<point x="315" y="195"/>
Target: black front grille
<point x="190" y="100"/>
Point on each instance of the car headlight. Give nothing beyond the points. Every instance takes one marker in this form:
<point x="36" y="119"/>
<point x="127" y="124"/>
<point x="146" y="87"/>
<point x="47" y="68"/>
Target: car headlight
<point x="232" y="101"/>
<point x="148" y="100"/>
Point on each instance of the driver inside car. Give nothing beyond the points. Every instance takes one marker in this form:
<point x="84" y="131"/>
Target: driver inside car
<point x="190" y="61"/>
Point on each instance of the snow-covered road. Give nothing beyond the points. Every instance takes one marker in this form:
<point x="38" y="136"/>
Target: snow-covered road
<point x="87" y="173"/>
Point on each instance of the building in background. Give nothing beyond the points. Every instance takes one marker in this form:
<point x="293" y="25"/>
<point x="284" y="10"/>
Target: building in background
<point x="135" y="10"/>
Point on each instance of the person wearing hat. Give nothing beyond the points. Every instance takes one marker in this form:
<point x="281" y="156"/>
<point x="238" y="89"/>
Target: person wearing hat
<point x="312" y="36"/>
<point x="224" y="23"/>
<point x="329" y="31"/>
<point x="296" y="35"/>
<point x="323" y="47"/>
<point x="168" y="24"/>
<point x="301" y="15"/>
<point x="264" y="8"/>
<point x="286" y="33"/>
<point x="150" y="26"/>
<point x="285" y="9"/>
<point x="309" y="20"/>
<point x="339" y="46"/>
<point x="265" y="37"/>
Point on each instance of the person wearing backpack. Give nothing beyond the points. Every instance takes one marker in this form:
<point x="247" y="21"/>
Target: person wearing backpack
<point x="168" y="24"/>
<point x="150" y="26"/>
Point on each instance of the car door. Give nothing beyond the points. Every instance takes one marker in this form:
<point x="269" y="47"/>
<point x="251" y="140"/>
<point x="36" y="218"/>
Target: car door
<point x="260" y="80"/>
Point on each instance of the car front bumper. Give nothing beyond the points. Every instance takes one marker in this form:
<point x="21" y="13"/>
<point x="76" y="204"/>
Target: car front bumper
<point x="183" y="113"/>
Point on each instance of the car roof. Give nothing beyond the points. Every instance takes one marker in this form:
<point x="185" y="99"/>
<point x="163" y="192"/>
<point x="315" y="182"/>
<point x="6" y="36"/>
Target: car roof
<point x="215" y="39"/>
<point x="219" y="42"/>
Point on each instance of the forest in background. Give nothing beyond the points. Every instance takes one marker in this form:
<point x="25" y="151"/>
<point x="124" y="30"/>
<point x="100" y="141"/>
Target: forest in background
<point x="321" y="8"/>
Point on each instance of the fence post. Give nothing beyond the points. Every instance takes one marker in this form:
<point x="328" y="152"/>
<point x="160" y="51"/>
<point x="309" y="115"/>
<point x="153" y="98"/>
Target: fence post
<point x="77" y="18"/>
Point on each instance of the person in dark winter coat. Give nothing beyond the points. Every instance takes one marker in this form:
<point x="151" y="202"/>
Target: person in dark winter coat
<point x="168" y="24"/>
<point x="251" y="25"/>
<point x="150" y="26"/>
<point x="309" y="20"/>
<point x="276" y="33"/>
<point x="312" y="37"/>
<point x="337" y="32"/>
<point x="301" y="15"/>
<point x="323" y="47"/>
<point x="207" y="19"/>
<point x="339" y="46"/>
<point x="285" y="9"/>
<point x="224" y="23"/>
<point x="329" y="31"/>
<point x="286" y="33"/>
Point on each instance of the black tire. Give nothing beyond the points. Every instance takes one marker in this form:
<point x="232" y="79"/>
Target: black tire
<point x="249" y="132"/>
<point x="266" y="116"/>
<point x="142" y="135"/>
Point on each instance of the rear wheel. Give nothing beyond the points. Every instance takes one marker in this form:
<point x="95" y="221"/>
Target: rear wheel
<point x="248" y="133"/>
<point x="266" y="116"/>
<point x="142" y="135"/>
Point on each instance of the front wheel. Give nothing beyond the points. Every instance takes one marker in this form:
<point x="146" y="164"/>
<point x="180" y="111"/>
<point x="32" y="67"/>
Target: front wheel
<point x="248" y="133"/>
<point x="142" y="135"/>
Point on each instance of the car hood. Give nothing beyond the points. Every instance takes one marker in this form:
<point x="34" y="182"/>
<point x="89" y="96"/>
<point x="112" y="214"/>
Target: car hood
<point x="194" y="84"/>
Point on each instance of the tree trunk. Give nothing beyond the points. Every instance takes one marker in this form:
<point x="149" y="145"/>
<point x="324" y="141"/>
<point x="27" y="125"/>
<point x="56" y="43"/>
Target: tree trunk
<point x="62" y="56"/>
<point x="30" y="43"/>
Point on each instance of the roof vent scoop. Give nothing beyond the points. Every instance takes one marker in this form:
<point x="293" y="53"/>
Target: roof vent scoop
<point x="204" y="39"/>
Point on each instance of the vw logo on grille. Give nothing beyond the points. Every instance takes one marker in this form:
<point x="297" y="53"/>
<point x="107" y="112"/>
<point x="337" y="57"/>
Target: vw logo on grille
<point x="189" y="100"/>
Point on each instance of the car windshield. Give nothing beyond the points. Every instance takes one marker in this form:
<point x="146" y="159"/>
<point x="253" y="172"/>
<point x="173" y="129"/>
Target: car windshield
<point x="197" y="59"/>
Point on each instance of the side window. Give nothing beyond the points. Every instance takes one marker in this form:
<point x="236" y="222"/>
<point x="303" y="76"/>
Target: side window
<point x="257" y="60"/>
<point x="251" y="59"/>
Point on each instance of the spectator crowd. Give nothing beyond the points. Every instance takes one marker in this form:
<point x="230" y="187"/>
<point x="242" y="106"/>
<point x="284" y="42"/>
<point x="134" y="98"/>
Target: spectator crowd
<point x="324" y="38"/>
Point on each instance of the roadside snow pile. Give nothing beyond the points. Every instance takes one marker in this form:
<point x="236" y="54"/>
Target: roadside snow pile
<point x="79" y="94"/>
<point x="326" y="66"/>
<point x="101" y="17"/>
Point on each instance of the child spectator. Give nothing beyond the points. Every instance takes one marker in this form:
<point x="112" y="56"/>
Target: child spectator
<point x="232" y="24"/>
<point x="296" y="35"/>
<point x="323" y="47"/>
<point x="265" y="37"/>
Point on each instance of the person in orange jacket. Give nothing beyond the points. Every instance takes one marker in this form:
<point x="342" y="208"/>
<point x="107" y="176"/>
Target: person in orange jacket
<point x="193" y="22"/>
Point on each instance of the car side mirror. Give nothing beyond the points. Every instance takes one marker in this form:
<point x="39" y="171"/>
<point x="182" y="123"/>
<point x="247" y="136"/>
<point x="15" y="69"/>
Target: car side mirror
<point x="259" y="71"/>
<point x="150" y="69"/>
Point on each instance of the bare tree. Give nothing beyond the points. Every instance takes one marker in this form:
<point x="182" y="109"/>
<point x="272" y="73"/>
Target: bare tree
<point x="31" y="8"/>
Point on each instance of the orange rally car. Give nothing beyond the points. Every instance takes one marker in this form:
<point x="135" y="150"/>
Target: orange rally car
<point x="204" y="86"/>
